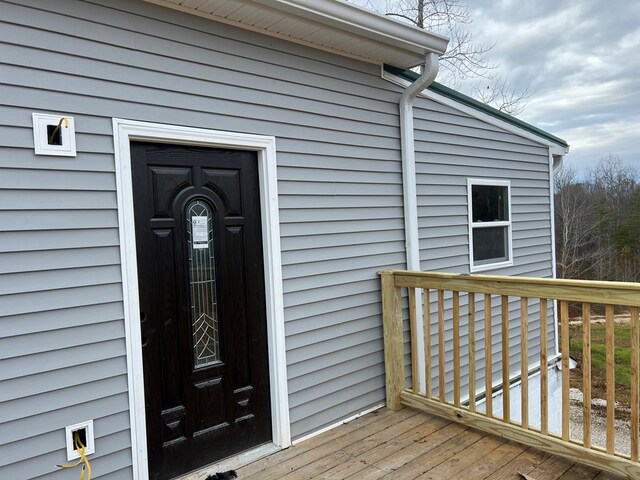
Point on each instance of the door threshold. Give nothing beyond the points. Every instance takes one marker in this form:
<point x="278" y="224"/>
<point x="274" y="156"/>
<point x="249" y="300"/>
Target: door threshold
<point x="232" y="463"/>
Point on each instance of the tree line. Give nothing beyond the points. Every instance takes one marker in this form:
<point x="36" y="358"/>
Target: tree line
<point x="597" y="222"/>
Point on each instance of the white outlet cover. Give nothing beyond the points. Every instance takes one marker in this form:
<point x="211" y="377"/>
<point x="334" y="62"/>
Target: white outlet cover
<point x="90" y="447"/>
<point x="41" y="138"/>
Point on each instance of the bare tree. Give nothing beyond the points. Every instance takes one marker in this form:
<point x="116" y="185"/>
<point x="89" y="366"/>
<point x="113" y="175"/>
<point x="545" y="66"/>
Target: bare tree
<point x="615" y="192"/>
<point x="612" y="176"/>
<point x="576" y="226"/>
<point x="465" y="58"/>
<point x="598" y="222"/>
<point x="501" y="95"/>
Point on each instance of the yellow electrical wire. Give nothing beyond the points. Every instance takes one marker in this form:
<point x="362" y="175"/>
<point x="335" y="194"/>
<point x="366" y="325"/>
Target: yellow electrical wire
<point x="86" y="466"/>
<point x="55" y="130"/>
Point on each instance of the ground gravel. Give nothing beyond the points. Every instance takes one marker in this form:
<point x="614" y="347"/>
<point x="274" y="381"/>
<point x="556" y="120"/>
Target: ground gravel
<point x="622" y="438"/>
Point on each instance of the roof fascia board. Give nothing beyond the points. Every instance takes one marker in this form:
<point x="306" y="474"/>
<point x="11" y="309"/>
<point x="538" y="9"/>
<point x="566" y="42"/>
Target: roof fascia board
<point x="363" y="22"/>
<point x="441" y="94"/>
<point x="378" y="31"/>
<point x="207" y="16"/>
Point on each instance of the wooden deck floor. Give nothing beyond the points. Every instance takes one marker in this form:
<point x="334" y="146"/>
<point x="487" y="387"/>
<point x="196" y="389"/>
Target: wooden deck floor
<point x="408" y="444"/>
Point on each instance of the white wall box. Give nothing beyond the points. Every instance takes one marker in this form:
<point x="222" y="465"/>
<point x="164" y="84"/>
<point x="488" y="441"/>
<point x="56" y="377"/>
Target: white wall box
<point x="54" y="135"/>
<point x="87" y="436"/>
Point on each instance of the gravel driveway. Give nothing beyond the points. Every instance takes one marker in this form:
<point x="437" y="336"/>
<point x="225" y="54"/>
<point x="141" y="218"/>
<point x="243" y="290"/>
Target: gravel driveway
<point x="622" y="439"/>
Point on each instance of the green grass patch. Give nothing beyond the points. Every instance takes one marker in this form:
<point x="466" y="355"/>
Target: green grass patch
<point x="622" y="359"/>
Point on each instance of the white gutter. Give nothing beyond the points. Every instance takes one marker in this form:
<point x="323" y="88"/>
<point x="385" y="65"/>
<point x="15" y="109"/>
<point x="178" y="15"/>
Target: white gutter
<point x="407" y="146"/>
<point x="330" y="25"/>
<point x="364" y="22"/>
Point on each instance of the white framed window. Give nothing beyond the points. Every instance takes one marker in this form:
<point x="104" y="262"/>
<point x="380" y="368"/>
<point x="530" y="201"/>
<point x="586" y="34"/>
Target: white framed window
<point x="490" y="237"/>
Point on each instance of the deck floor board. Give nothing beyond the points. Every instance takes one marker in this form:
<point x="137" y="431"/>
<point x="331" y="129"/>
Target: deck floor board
<point x="411" y="445"/>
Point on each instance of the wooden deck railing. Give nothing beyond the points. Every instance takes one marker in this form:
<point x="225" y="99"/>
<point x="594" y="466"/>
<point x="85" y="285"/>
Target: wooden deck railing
<point x="534" y="305"/>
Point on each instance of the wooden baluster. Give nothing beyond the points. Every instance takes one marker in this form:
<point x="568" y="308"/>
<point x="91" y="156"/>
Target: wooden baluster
<point x="472" y="352"/>
<point x="456" y="349"/>
<point x="524" y="358"/>
<point x="635" y="382"/>
<point x="544" y="382"/>
<point x="488" y="374"/>
<point x="586" y="375"/>
<point x="441" y="357"/>
<point x="564" y="336"/>
<point x="611" y="377"/>
<point x="413" y="330"/>
<point x="506" y="397"/>
<point x="427" y="342"/>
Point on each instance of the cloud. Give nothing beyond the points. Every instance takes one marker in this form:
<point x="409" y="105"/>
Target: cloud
<point x="605" y="136"/>
<point x="582" y="58"/>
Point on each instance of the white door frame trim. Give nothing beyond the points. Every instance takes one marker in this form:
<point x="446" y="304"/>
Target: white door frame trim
<point x="124" y="131"/>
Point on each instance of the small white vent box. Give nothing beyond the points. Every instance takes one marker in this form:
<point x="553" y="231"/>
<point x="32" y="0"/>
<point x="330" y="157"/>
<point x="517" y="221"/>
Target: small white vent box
<point x="54" y="135"/>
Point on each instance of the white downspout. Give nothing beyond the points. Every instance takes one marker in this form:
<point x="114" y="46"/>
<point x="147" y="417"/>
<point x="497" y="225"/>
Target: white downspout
<point x="410" y="190"/>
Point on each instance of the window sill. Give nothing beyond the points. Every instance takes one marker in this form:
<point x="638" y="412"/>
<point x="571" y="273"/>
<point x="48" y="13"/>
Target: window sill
<point x="490" y="266"/>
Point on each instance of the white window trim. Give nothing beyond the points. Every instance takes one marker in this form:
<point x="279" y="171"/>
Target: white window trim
<point x="124" y="131"/>
<point x="489" y="266"/>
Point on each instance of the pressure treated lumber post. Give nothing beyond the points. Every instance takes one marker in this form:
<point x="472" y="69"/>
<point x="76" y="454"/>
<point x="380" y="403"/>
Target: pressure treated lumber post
<point x="488" y="357"/>
<point x="441" y="356"/>
<point x="472" y="352"/>
<point x="566" y="374"/>
<point x="635" y="383"/>
<point x="609" y="340"/>
<point x="506" y="400"/>
<point x="427" y="341"/>
<point x="544" y="370"/>
<point x="393" y="341"/>
<point x="586" y="374"/>
<point x="413" y="330"/>
<point x="524" y="361"/>
<point x="456" y="348"/>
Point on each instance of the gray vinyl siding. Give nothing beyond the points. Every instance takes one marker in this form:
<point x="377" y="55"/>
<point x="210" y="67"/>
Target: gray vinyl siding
<point x="451" y="147"/>
<point x="62" y="340"/>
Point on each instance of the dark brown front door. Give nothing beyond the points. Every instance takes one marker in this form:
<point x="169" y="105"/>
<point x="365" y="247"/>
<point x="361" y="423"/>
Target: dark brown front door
<point x="202" y="305"/>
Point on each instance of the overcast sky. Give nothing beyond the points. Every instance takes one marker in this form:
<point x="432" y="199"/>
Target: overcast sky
<point x="582" y="58"/>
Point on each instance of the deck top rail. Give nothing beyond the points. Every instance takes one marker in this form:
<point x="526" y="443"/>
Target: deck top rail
<point x="618" y="293"/>
<point x="457" y="310"/>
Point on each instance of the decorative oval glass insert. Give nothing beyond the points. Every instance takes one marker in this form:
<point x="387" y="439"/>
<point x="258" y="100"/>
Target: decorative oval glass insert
<point x="202" y="284"/>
